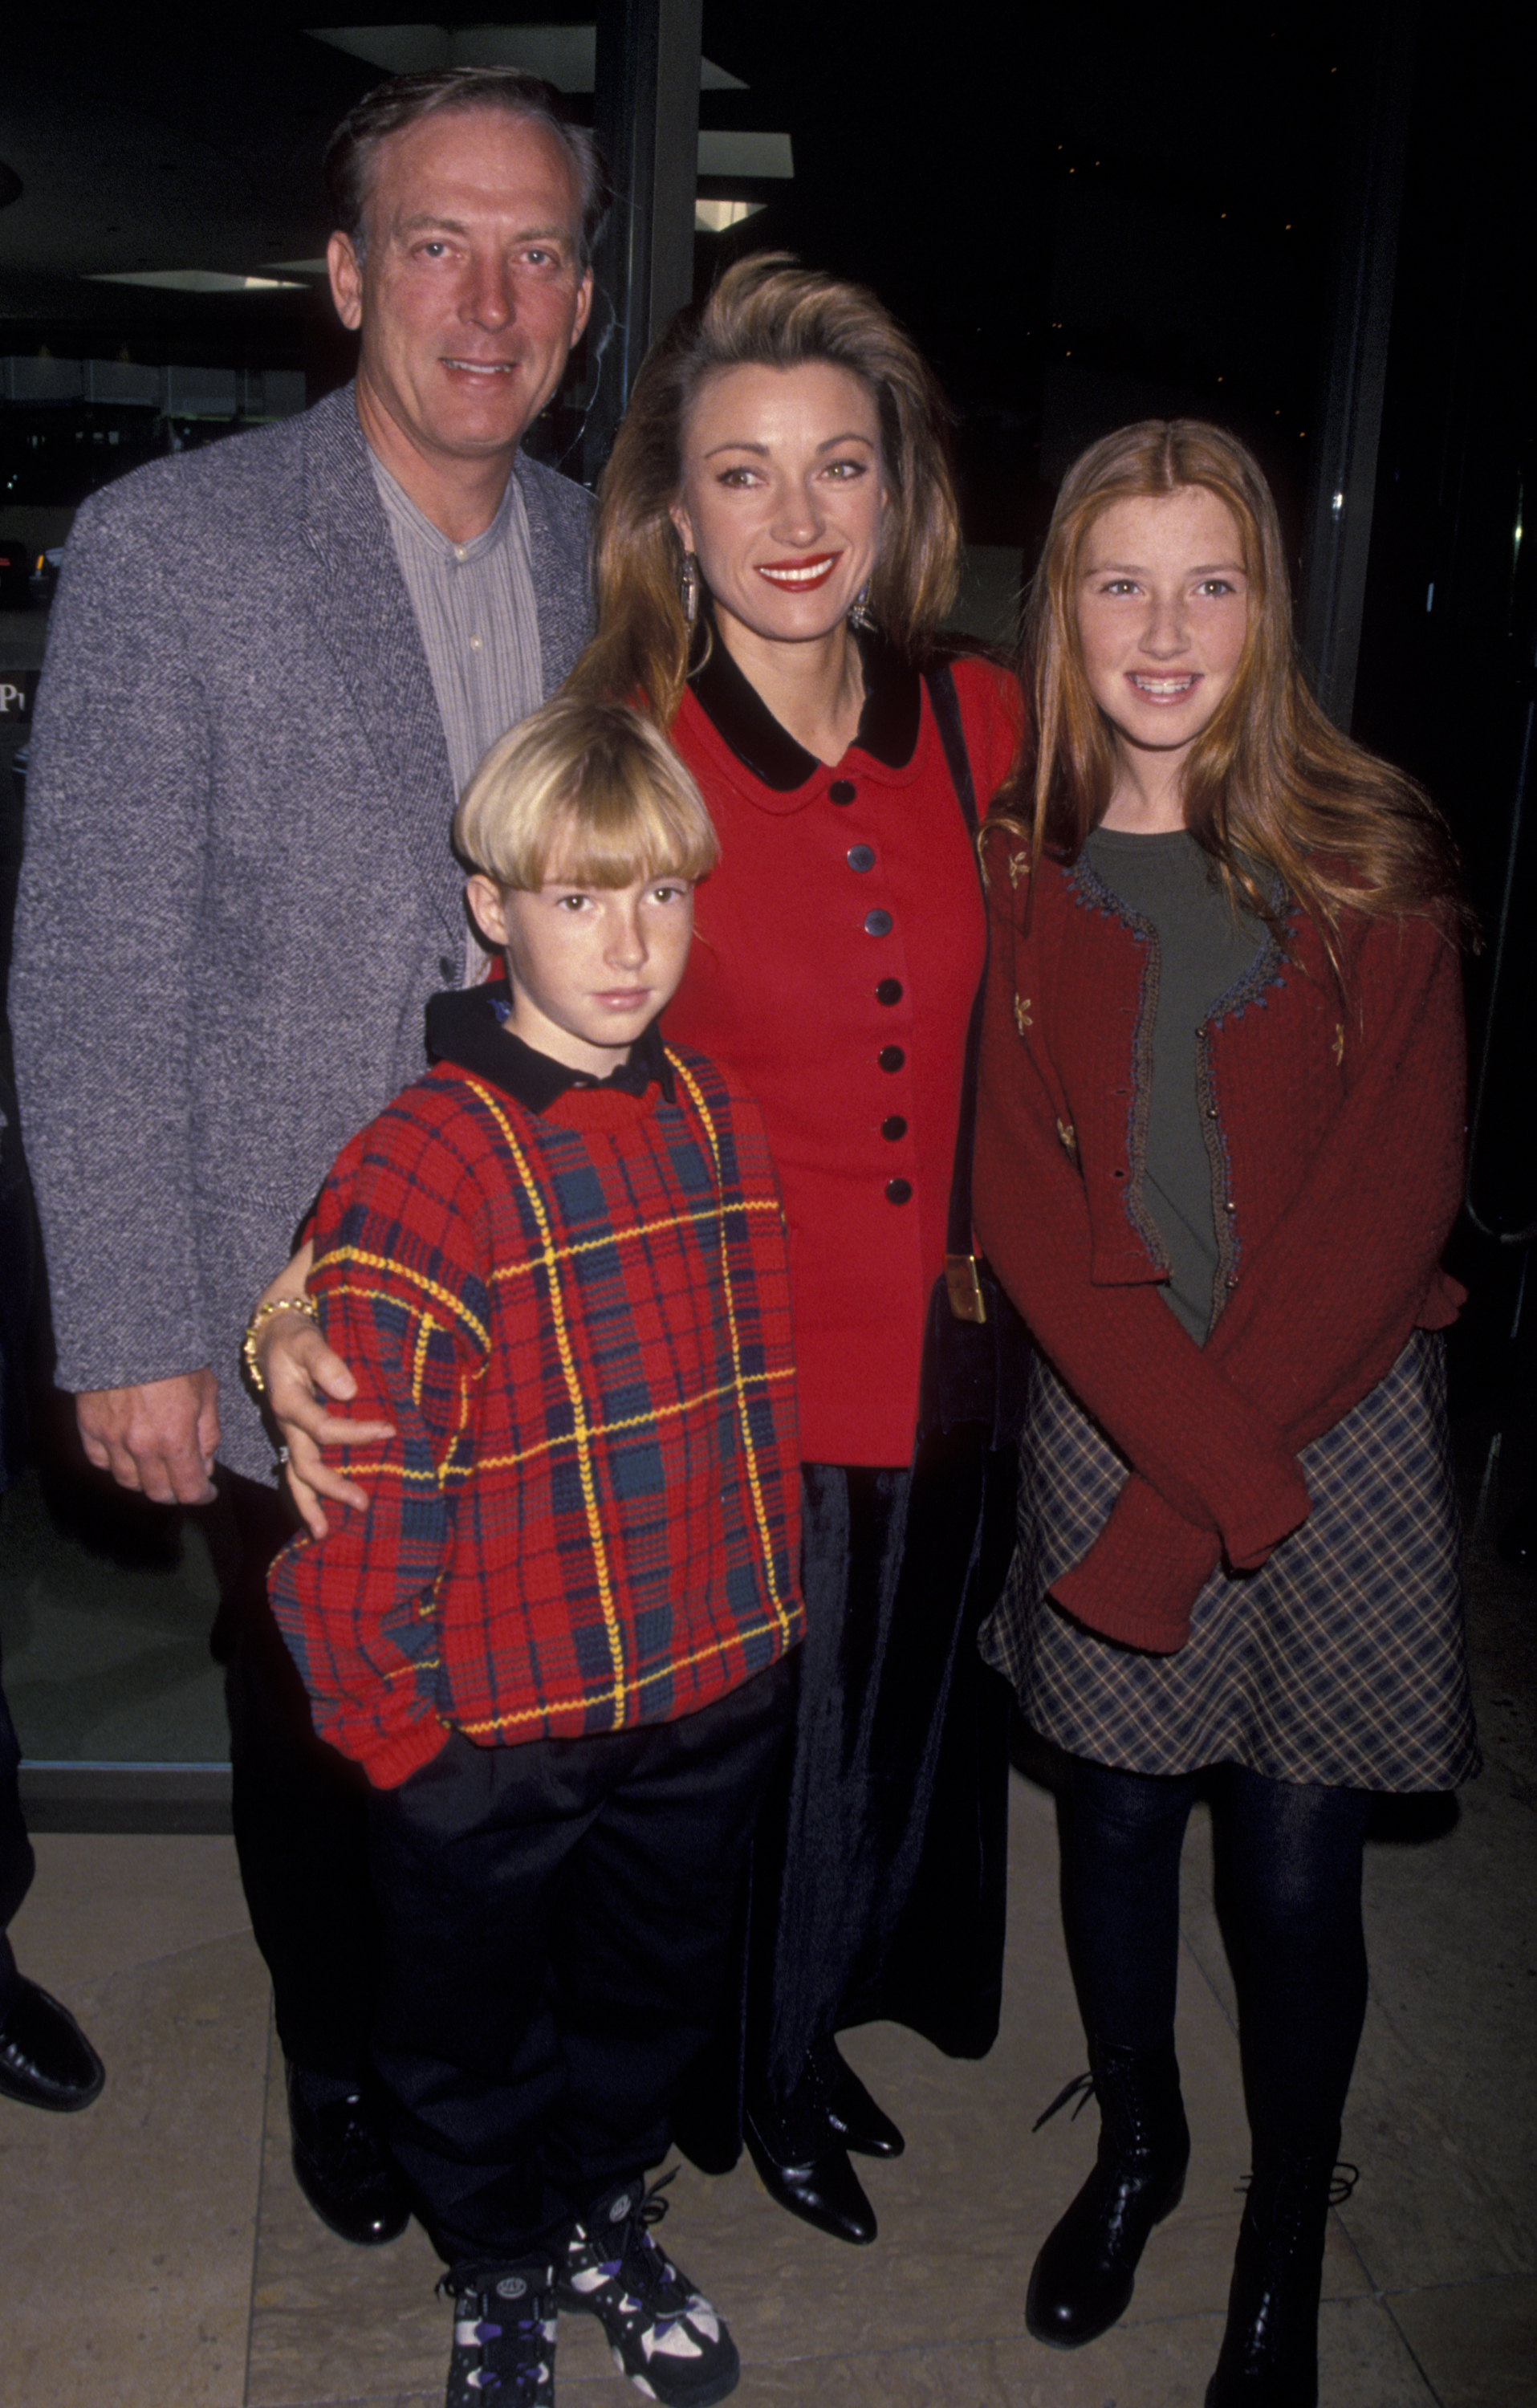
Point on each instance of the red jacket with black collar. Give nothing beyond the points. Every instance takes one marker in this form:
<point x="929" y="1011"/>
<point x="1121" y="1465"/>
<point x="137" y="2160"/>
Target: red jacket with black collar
<point x="838" y="951"/>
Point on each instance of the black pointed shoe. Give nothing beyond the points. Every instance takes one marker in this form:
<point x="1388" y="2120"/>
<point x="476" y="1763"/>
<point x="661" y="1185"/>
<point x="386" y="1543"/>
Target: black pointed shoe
<point x="45" y="2058"/>
<point x="852" y="2114"/>
<point x="1270" y="2348"/>
<point x="809" y="2174"/>
<point x="343" y="2168"/>
<point x="1083" y="2277"/>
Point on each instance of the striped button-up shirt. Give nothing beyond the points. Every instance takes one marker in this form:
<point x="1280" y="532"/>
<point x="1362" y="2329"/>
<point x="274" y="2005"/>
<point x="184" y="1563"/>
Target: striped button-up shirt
<point x="474" y="608"/>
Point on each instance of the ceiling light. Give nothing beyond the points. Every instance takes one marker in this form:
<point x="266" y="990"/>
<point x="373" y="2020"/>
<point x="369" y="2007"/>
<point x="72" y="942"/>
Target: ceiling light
<point x="195" y="279"/>
<point x="715" y="216"/>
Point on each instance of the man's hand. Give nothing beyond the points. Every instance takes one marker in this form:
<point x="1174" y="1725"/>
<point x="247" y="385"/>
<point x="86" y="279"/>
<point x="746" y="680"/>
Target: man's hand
<point x="159" y="1438"/>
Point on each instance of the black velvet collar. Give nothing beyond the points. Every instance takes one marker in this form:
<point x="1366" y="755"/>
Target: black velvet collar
<point x="467" y="1027"/>
<point x="888" y="724"/>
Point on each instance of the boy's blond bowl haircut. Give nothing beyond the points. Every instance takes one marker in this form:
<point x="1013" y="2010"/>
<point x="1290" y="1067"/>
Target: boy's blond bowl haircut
<point x="587" y="792"/>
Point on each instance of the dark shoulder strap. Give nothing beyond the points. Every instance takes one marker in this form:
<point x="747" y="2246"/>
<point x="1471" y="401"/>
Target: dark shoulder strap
<point x="945" y="704"/>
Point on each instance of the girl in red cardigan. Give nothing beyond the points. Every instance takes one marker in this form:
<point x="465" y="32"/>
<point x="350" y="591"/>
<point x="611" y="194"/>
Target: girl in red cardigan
<point x="1220" y="1152"/>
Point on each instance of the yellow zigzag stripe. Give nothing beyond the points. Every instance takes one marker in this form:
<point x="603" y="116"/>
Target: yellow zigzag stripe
<point x="585" y="1701"/>
<point x="453" y="1305"/>
<point x="550" y="1256"/>
<point x="596" y="1429"/>
<point x="574" y="1246"/>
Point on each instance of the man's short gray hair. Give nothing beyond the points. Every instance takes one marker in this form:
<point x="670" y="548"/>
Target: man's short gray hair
<point x="350" y="153"/>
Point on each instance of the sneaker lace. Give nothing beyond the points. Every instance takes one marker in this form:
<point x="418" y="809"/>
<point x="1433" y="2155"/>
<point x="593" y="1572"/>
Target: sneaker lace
<point x="514" y="2352"/>
<point x="661" y="2277"/>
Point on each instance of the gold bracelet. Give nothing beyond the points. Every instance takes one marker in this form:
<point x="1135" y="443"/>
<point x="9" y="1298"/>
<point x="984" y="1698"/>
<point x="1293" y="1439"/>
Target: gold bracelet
<point x="263" y="1312"/>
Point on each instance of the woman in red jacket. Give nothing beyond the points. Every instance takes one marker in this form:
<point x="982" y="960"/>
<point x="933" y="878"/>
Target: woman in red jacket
<point x="1220" y="1152"/>
<point x="778" y="542"/>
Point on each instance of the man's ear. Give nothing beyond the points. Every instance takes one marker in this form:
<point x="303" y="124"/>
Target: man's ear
<point x="584" y="306"/>
<point x="484" y="897"/>
<point x="345" y="271"/>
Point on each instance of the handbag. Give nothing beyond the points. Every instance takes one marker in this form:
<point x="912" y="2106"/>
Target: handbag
<point x="976" y="1348"/>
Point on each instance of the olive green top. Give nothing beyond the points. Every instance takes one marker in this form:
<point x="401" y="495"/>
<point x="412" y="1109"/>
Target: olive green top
<point x="1203" y="949"/>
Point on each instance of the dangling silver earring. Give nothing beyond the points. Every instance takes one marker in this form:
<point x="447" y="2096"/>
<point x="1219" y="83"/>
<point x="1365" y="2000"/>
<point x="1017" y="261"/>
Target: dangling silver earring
<point x="859" y="610"/>
<point x="688" y="589"/>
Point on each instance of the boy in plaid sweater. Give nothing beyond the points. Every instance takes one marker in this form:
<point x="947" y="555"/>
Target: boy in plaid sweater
<point x="558" y="1636"/>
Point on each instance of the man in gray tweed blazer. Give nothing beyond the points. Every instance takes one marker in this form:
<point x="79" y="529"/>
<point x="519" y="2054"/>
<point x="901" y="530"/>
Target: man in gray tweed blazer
<point x="270" y="665"/>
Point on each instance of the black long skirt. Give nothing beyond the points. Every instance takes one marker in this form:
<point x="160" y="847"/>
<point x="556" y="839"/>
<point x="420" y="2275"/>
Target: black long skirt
<point x="878" y="1873"/>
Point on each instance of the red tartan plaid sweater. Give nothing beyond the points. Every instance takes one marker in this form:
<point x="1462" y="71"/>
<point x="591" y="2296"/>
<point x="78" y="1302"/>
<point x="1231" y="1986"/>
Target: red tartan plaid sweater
<point x="571" y="1300"/>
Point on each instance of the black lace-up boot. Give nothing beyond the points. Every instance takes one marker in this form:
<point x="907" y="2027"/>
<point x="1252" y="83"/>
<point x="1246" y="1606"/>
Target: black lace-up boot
<point x="1270" y="2350"/>
<point x="1083" y="2279"/>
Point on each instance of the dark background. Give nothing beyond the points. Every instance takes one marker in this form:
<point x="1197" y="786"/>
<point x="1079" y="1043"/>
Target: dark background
<point x="1085" y="215"/>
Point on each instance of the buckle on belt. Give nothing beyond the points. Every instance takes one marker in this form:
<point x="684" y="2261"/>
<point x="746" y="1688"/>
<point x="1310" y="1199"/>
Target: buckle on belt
<point x="963" y="1284"/>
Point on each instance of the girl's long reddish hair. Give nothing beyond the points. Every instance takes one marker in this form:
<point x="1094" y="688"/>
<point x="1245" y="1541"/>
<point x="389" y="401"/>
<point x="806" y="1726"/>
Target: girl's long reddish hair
<point x="1271" y="785"/>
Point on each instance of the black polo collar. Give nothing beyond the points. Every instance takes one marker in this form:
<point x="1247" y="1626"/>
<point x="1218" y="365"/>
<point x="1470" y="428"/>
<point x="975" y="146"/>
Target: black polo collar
<point x="888" y="724"/>
<point x="467" y="1027"/>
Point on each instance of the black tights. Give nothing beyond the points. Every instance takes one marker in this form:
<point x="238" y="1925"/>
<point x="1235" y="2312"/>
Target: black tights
<point x="1289" y="1894"/>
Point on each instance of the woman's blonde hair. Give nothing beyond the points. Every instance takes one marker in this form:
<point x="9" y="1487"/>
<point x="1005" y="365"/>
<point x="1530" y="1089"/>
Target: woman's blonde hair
<point x="766" y="311"/>
<point x="1270" y="785"/>
<point x="583" y="790"/>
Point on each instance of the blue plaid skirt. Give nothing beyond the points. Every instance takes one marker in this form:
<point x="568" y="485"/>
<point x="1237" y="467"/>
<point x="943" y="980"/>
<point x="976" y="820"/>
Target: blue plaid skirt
<point x="1340" y="1662"/>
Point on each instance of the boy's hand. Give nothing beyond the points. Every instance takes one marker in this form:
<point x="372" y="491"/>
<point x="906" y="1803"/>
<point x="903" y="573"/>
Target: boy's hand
<point x="159" y="1437"/>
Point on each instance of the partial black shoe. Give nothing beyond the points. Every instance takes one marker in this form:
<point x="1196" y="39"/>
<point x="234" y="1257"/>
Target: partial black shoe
<point x="1082" y="2280"/>
<point x="852" y="2114"/>
<point x="504" y="2334"/>
<point x="807" y="2171"/>
<point x="1269" y="2349"/>
<point x="344" y="2169"/>
<point x="45" y="2058"/>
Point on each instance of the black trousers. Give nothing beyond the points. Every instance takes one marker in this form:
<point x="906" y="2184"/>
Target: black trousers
<point x="559" y="1922"/>
<point x="300" y="1816"/>
<point x="16" y="1859"/>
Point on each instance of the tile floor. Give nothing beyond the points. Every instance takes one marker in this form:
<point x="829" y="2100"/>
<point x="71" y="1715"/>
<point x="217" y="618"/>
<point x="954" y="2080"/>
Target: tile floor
<point x="156" y="2250"/>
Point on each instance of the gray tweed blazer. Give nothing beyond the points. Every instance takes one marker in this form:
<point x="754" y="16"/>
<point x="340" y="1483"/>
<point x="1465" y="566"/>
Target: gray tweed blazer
<point x="237" y="891"/>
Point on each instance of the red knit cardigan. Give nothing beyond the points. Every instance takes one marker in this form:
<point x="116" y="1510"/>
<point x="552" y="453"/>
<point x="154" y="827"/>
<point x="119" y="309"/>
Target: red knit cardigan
<point x="1336" y="1125"/>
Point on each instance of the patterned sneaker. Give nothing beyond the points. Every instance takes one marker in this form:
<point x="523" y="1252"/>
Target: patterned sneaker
<point x="504" y="2335"/>
<point x="664" y="2336"/>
